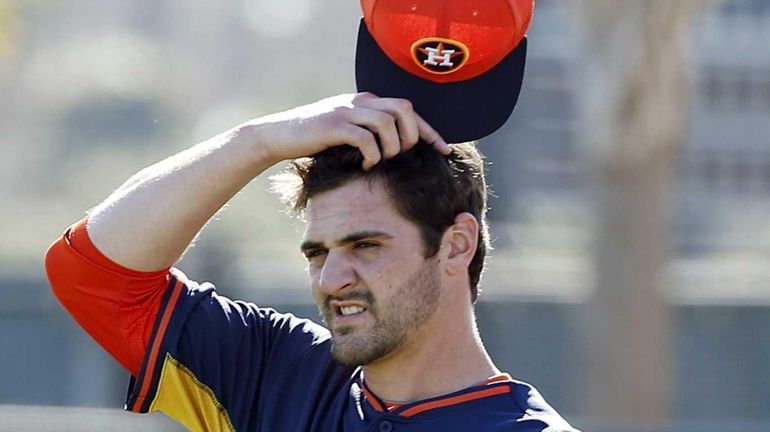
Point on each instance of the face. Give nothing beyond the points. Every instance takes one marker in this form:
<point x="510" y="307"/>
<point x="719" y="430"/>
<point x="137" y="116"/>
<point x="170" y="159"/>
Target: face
<point x="369" y="278"/>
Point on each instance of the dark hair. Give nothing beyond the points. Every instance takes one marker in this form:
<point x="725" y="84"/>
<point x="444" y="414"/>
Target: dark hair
<point x="427" y="188"/>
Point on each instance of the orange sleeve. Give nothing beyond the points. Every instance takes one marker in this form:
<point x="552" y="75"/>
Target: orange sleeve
<point x="117" y="306"/>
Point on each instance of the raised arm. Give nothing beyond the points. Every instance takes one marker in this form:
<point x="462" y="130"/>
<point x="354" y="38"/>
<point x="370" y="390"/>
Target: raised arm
<point x="112" y="274"/>
<point x="148" y="222"/>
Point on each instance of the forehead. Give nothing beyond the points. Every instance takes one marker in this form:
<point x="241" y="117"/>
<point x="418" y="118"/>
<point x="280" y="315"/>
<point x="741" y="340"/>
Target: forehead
<point x="358" y="205"/>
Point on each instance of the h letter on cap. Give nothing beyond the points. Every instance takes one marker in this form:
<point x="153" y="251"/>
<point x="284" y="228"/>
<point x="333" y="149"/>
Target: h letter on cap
<point x="445" y="57"/>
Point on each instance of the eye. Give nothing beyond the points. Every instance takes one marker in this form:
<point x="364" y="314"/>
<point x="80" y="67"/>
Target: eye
<point x="314" y="253"/>
<point x="365" y="245"/>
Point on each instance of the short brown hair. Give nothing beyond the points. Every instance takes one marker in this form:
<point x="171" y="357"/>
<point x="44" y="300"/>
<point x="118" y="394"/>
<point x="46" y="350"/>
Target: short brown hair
<point x="427" y="188"/>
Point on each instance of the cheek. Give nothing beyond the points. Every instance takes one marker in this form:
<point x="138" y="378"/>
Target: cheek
<point x="384" y="271"/>
<point x="314" y="276"/>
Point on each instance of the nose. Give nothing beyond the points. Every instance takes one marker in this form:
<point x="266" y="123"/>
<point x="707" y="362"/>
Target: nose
<point x="337" y="273"/>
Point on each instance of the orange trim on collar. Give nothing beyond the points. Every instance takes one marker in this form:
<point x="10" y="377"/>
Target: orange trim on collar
<point x="392" y="405"/>
<point x="497" y="378"/>
<point x="417" y="409"/>
<point x="384" y="406"/>
<point x="373" y="401"/>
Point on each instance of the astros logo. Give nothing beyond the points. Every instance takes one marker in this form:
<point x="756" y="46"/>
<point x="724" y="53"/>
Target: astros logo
<point x="438" y="55"/>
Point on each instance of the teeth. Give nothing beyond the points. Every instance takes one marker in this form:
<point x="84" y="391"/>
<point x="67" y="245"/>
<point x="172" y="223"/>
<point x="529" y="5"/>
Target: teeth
<point x="350" y="310"/>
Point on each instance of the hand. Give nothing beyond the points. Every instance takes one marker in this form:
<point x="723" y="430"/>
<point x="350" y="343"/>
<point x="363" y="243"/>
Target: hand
<point x="359" y="120"/>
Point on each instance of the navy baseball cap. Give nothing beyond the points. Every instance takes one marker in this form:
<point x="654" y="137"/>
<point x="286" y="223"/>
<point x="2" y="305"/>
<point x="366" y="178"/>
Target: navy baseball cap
<point x="460" y="62"/>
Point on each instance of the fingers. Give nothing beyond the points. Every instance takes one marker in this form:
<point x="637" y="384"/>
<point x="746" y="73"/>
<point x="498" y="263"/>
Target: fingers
<point x="380" y="128"/>
<point x="383" y="125"/>
<point x="402" y="112"/>
<point x="362" y="139"/>
<point x="431" y="137"/>
<point x="409" y="125"/>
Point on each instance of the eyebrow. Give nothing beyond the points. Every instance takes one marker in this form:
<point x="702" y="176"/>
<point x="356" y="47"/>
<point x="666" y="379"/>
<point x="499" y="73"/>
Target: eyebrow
<point x="308" y="245"/>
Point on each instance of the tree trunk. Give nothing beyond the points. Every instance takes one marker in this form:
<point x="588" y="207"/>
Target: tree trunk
<point x="633" y="93"/>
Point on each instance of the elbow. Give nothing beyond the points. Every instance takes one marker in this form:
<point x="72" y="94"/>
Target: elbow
<point x="55" y="267"/>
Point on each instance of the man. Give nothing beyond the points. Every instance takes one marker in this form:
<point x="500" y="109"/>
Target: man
<point x="395" y="243"/>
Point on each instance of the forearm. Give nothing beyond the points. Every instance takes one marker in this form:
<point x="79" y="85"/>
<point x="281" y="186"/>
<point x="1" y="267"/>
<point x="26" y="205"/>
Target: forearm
<point x="149" y="221"/>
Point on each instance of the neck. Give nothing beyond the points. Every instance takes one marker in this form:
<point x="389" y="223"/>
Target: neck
<point x="443" y="356"/>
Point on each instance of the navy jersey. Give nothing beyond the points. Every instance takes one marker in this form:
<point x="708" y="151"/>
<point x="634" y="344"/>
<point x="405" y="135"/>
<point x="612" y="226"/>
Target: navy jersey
<point x="215" y="364"/>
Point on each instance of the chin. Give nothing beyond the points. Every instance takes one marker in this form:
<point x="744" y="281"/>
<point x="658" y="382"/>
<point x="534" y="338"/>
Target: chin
<point x="348" y="358"/>
<point x="347" y="352"/>
<point x="356" y="351"/>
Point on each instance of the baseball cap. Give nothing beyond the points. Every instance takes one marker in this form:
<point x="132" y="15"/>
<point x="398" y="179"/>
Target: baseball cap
<point x="460" y="62"/>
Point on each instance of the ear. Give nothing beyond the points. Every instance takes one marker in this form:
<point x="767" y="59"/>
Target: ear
<point x="458" y="244"/>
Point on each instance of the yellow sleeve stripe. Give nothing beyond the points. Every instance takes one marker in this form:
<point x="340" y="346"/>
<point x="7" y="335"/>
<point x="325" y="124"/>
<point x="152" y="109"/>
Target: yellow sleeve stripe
<point x="184" y="398"/>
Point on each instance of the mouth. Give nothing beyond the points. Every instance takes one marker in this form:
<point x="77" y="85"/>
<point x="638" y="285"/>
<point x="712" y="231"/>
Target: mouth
<point x="346" y="313"/>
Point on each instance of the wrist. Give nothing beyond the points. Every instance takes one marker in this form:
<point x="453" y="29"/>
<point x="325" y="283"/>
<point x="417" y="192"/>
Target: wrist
<point x="254" y="142"/>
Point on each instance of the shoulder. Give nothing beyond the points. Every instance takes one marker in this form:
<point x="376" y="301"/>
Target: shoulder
<point x="535" y="414"/>
<point x="208" y="319"/>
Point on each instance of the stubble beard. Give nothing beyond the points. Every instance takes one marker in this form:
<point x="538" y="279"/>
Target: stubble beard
<point x="406" y="309"/>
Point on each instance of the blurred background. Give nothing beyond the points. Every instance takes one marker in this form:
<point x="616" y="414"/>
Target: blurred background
<point x="631" y="275"/>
